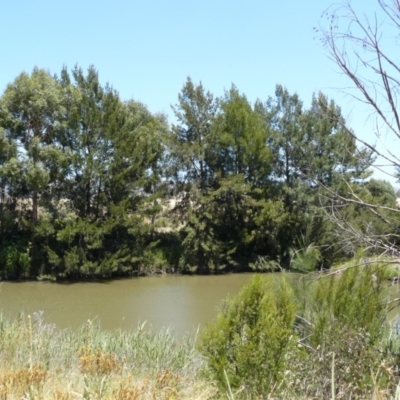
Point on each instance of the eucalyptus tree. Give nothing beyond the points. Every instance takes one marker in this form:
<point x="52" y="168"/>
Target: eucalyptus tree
<point x="31" y="111"/>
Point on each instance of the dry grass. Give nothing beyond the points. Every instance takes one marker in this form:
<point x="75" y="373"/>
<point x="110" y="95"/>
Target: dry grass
<point x="38" y="361"/>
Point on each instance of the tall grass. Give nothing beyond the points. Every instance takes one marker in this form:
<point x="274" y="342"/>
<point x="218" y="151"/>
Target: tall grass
<point x="39" y="361"/>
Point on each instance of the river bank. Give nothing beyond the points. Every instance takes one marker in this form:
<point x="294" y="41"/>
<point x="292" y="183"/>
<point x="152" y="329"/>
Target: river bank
<point x="40" y="361"/>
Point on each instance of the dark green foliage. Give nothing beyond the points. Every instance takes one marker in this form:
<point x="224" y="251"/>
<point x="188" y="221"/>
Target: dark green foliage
<point x="10" y="185"/>
<point x="382" y="191"/>
<point x="223" y="218"/>
<point x="99" y="225"/>
<point x="15" y="259"/>
<point x="217" y="233"/>
<point x="333" y="149"/>
<point x="87" y="180"/>
<point x="74" y="190"/>
<point x="313" y="153"/>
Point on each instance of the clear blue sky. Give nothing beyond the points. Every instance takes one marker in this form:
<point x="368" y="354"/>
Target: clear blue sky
<point x="147" y="48"/>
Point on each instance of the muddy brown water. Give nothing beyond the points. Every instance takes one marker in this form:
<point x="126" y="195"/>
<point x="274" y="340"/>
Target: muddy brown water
<point x="182" y="303"/>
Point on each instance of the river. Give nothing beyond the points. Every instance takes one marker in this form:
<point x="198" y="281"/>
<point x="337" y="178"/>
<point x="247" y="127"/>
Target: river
<point x="182" y="303"/>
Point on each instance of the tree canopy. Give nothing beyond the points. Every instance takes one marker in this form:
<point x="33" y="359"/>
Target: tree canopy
<point x="91" y="185"/>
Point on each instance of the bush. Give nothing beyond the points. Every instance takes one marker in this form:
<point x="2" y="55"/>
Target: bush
<point x="343" y="316"/>
<point x="248" y="344"/>
<point x="308" y="339"/>
<point x="15" y="260"/>
<point x="355" y="299"/>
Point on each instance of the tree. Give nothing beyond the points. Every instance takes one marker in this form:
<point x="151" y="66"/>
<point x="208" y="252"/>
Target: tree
<point x="79" y="171"/>
<point x="309" y="148"/>
<point x="240" y="141"/>
<point x="221" y="154"/>
<point x="14" y="240"/>
<point x="364" y="50"/>
<point x="190" y="164"/>
<point x="116" y="148"/>
<point x="9" y="177"/>
<point x="190" y="142"/>
<point x="243" y="164"/>
<point x="284" y="117"/>
<point x="329" y="150"/>
<point x="31" y="108"/>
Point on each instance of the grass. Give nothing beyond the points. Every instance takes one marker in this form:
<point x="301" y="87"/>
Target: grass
<point x="38" y="361"/>
<point x="390" y="265"/>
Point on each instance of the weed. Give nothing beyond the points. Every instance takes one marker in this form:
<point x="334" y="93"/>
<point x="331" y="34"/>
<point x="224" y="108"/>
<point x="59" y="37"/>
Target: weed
<point x="24" y="380"/>
<point x="126" y="390"/>
<point x="97" y="362"/>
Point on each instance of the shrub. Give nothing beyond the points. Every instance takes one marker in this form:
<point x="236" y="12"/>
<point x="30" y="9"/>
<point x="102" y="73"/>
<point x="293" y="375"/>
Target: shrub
<point x="310" y="339"/>
<point x="306" y="259"/>
<point x="248" y="344"/>
<point x="343" y="317"/>
<point x="354" y="298"/>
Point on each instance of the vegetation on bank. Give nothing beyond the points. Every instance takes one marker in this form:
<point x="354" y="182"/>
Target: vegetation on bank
<point x="316" y="337"/>
<point x="39" y="361"/>
<point x="92" y="186"/>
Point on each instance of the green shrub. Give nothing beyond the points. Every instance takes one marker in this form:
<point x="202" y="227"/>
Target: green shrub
<point x="308" y="339"/>
<point x="247" y="346"/>
<point x="355" y="299"/>
<point x="15" y="259"/>
<point x="343" y="316"/>
<point x="306" y="259"/>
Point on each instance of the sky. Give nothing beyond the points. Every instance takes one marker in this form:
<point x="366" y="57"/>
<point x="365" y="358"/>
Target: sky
<point x="147" y="48"/>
